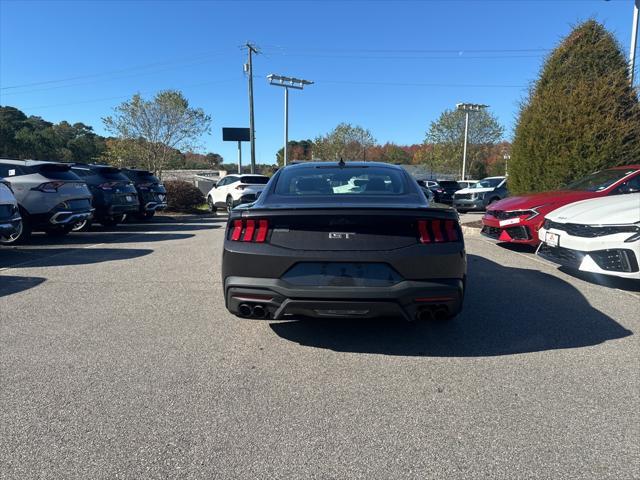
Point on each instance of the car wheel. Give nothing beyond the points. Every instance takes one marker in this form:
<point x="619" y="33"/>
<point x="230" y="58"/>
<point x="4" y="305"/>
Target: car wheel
<point x="112" y="221"/>
<point x="492" y="201"/>
<point x="82" y="226"/>
<point x="21" y="236"/>
<point x="229" y="203"/>
<point x="212" y="206"/>
<point x="149" y="214"/>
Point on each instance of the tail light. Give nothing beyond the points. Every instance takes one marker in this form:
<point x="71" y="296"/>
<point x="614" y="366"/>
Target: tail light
<point x="145" y="186"/>
<point x="438" y="231"/>
<point x="108" y="185"/>
<point x="49" y="187"/>
<point x="249" y="231"/>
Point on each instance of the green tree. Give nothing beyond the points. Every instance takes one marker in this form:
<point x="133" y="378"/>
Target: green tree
<point x="581" y="114"/>
<point x="446" y="134"/>
<point x="345" y="141"/>
<point x="165" y="123"/>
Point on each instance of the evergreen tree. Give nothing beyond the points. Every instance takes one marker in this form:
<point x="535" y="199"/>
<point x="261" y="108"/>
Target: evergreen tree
<point x="581" y="115"/>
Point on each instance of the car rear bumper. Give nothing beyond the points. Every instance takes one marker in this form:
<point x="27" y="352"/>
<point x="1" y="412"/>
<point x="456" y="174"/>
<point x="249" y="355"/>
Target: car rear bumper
<point x="154" y="206"/>
<point x="277" y="299"/>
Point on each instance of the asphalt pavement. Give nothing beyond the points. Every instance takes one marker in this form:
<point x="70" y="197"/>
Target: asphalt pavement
<point x="118" y="360"/>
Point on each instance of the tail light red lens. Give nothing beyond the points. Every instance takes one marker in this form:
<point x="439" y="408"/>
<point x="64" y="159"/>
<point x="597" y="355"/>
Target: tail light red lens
<point x="437" y="231"/>
<point x="249" y="231"/>
<point x="49" y="187"/>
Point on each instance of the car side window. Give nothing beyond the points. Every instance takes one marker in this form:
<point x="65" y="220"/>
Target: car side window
<point x="222" y="182"/>
<point x="630" y="186"/>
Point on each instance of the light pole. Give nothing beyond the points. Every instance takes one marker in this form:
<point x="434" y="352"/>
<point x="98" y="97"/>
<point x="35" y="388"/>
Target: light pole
<point x="634" y="40"/>
<point x="506" y="157"/>
<point x="287" y="83"/>
<point x="467" y="108"/>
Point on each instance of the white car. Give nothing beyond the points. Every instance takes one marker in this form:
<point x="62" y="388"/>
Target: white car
<point x="10" y="219"/>
<point x="233" y="190"/>
<point x="600" y="235"/>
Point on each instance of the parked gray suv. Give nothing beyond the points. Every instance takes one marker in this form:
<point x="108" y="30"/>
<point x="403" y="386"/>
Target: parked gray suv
<point x="51" y="198"/>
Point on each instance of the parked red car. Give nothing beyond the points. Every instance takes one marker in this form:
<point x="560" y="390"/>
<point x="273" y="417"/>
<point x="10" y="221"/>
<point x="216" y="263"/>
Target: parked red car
<point x="518" y="219"/>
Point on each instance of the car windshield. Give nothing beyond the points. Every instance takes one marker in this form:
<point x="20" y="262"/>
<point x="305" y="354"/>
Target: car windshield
<point x="488" y="183"/>
<point x="254" y="180"/>
<point x="599" y="180"/>
<point x="329" y="180"/>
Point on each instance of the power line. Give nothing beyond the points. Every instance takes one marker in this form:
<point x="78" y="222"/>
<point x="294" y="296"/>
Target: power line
<point x="101" y="80"/>
<point x="111" y="72"/>
<point x="104" y="99"/>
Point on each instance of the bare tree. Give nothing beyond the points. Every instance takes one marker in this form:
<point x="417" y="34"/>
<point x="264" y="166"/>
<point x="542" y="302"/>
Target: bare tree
<point x="163" y="124"/>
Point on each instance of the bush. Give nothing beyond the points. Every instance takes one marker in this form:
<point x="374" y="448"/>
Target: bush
<point x="581" y="115"/>
<point x="183" y="196"/>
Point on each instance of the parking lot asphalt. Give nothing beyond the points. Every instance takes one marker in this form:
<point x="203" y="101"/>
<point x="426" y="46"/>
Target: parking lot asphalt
<point x="118" y="360"/>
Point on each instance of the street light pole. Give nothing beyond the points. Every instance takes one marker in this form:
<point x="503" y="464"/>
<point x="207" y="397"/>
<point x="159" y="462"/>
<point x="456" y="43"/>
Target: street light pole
<point x="467" y="108"/>
<point x="464" y="151"/>
<point x="287" y="83"/>
<point x="286" y="125"/>
<point x="634" y="40"/>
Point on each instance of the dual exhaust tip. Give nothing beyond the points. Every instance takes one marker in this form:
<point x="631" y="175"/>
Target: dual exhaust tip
<point x="252" y="311"/>
<point x="436" y="312"/>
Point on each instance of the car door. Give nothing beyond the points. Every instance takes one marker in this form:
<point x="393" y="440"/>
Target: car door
<point x="219" y="193"/>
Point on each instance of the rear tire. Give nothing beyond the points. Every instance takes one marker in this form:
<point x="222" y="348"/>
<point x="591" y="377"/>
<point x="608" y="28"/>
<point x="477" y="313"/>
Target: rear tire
<point x="82" y="226"/>
<point x="229" y="203"/>
<point x="149" y="214"/>
<point x="21" y="236"/>
<point x="212" y="206"/>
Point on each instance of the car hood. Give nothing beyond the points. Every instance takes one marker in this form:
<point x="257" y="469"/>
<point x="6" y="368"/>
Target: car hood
<point x="555" y="198"/>
<point x="475" y="190"/>
<point x="613" y="210"/>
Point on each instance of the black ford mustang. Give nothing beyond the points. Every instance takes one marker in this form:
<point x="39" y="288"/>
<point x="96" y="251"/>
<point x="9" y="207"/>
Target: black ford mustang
<point x="353" y="239"/>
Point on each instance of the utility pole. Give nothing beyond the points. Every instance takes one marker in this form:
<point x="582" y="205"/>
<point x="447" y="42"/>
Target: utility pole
<point x="251" y="50"/>
<point x="634" y="40"/>
<point x="467" y="108"/>
<point x="287" y="83"/>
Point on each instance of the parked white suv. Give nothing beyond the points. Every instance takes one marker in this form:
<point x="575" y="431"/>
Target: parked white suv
<point x="233" y="190"/>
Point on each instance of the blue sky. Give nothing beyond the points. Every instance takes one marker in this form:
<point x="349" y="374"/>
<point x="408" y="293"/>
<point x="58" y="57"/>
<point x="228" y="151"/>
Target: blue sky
<point x="390" y="66"/>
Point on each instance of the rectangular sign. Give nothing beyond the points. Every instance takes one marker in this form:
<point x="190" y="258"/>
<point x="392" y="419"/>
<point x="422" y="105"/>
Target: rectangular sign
<point x="236" y="134"/>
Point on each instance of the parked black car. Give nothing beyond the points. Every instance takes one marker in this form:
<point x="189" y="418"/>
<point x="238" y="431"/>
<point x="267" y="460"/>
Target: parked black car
<point x="445" y="190"/>
<point x="152" y="194"/>
<point x="349" y="240"/>
<point x="114" y="195"/>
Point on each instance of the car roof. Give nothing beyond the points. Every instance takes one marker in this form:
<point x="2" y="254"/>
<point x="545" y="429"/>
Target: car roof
<point x="247" y="175"/>
<point x="349" y="164"/>
<point x="30" y="163"/>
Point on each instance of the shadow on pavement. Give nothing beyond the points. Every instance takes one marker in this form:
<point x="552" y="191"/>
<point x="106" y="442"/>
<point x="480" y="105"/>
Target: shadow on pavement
<point x="507" y="311"/>
<point x="10" y="284"/>
<point x="604" y="280"/>
<point x="155" y="227"/>
<point x="53" y="257"/>
<point x="110" y="237"/>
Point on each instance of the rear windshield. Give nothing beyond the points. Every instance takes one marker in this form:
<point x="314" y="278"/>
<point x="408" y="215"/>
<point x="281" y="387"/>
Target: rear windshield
<point x="254" y="180"/>
<point x="141" y="176"/>
<point x="599" y="180"/>
<point x="56" y="171"/>
<point x="341" y="181"/>
<point x="449" y="184"/>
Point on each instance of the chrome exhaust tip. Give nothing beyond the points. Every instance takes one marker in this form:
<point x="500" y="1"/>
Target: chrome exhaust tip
<point x="245" y="310"/>
<point x="259" y="311"/>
